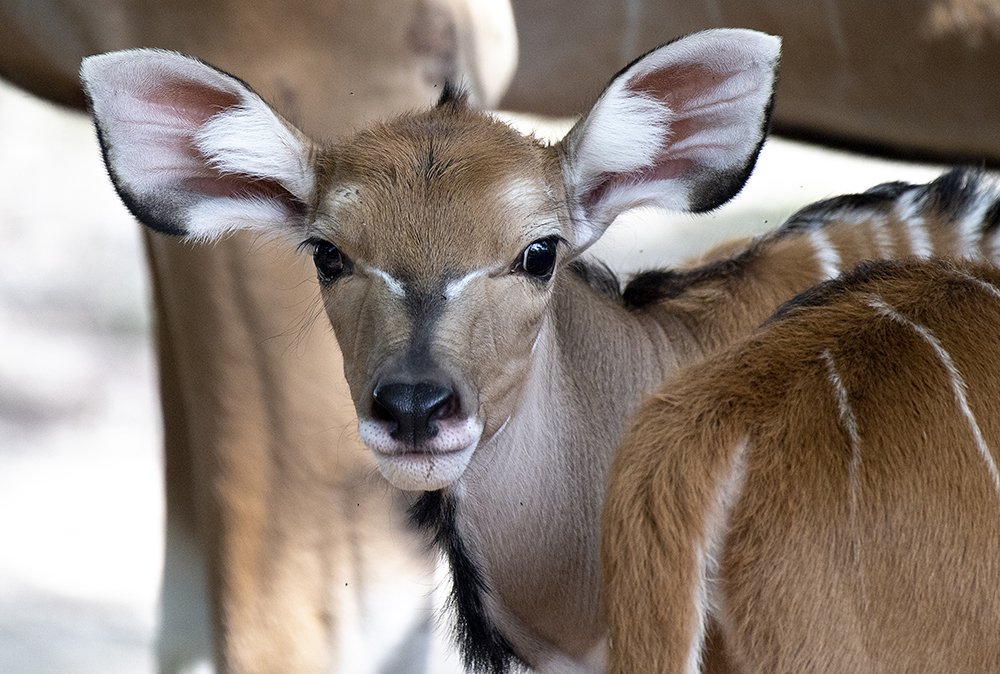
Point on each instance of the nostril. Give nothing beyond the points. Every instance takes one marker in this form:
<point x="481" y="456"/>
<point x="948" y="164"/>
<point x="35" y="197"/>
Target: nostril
<point x="446" y="409"/>
<point x="411" y="409"/>
<point x="379" y="410"/>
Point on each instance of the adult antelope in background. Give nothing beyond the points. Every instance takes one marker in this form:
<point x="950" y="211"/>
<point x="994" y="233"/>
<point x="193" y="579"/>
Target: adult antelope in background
<point x="282" y="554"/>
<point x="490" y="366"/>
<point x="823" y="495"/>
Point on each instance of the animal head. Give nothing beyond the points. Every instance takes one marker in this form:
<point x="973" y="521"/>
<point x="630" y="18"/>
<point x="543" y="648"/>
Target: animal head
<point x="441" y="238"/>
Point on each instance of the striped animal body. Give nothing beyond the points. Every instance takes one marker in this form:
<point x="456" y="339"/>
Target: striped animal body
<point x="823" y="495"/>
<point x="736" y="286"/>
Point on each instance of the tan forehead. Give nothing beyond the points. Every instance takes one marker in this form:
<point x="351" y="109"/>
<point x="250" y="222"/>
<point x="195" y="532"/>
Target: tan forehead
<point x="449" y="190"/>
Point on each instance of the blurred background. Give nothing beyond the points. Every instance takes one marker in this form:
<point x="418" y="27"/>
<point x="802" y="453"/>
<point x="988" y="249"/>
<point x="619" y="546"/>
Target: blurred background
<point x="81" y="504"/>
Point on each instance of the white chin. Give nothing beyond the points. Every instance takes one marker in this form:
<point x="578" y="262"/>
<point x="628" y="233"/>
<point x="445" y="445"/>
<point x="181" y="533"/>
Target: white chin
<point x="419" y="471"/>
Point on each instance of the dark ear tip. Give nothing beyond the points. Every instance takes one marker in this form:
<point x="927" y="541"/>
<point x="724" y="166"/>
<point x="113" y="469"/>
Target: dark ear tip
<point x="149" y="215"/>
<point x="721" y="186"/>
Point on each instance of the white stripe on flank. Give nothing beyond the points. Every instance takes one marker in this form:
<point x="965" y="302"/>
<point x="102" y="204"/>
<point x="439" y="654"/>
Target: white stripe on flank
<point x="884" y="249"/>
<point x="993" y="250"/>
<point x="850" y="424"/>
<point x="700" y="617"/>
<point x="708" y="553"/>
<point x="958" y="386"/>
<point x="983" y="285"/>
<point x="827" y="256"/>
<point x="395" y="286"/>
<point x="907" y="210"/>
<point x="848" y="420"/>
<point x="453" y="288"/>
<point x="971" y="226"/>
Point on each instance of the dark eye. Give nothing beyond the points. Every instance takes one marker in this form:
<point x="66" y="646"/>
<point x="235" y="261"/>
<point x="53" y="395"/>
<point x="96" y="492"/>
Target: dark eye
<point x="330" y="262"/>
<point x="539" y="258"/>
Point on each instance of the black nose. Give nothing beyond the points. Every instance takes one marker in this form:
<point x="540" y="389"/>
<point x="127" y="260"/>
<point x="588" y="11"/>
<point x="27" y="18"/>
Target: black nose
<point x="412" y="409"/>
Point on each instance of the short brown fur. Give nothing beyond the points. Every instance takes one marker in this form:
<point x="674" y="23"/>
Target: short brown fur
<point x="895" y="572"/>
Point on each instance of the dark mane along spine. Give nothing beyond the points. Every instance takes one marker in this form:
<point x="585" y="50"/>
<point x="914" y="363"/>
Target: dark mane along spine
<point x="942" y="204"/>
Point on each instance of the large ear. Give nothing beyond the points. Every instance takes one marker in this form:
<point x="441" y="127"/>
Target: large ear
<point x="194" y="151"/>
<point x="680" y="128"/>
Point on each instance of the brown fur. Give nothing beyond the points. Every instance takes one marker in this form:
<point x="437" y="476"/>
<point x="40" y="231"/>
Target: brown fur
<point x="897" y="571"/>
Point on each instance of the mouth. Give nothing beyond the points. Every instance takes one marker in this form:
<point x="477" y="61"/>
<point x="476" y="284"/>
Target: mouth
<point x="434" y="465"/>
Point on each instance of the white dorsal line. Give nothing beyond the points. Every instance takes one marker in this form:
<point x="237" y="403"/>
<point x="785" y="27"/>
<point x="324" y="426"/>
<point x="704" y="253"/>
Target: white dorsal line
<point x="395" y="285"/>
<point x="826" y="255"/>
<point x="958" y="385"/>
<point x="850" y="424"/>
<point x="907" y="210"/>
<point x="454" y="288"/>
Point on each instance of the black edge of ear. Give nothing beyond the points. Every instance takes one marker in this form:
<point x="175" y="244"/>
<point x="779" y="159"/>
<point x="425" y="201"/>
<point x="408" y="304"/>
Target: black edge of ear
<point x="155" y="219"/>
<point x="640" y="57"/>
<point x="718" y="187"/>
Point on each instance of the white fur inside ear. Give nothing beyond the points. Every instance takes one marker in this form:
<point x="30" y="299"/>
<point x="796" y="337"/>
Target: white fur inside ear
<point x="211" y="219"/>
<point x="249" y="139"/>
<point x="623" y="133"/>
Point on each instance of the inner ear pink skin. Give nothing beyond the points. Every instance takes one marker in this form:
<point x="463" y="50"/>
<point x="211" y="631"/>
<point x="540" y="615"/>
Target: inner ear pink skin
<point x="678" y="84"/>
<point x="664" y="169"/>
<point x="191" y="101"/>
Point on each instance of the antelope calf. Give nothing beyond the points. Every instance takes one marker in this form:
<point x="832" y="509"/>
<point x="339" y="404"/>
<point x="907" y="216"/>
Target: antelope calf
<point x="492" y="368"/>
<point x="823" y="495"/>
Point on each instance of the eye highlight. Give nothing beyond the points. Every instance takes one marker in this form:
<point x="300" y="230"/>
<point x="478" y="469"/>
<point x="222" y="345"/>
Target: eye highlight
<point x="538" y="259"/>
<point x="330" y="262"/>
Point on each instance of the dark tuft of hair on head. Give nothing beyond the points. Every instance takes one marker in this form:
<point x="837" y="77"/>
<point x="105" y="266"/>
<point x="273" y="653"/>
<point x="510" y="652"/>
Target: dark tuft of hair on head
<point x="453" y="96"/>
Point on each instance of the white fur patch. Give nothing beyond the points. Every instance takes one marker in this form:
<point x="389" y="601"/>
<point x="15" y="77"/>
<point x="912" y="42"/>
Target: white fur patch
<point x="826" y="254"/>
<point x="437" y="465"/>
<point x="908" y="211"/>
<point x="454" y="288"/>
<point x="707" y="566"/>
<point x="212" y="217"/>
<point x="251" y="140"/>
<point x="394" y="285"/>
<point x="623" y="133"/>
<point x="628" y="131"/>
<point x="958" y="386"/>
<point x="152" y="106"/>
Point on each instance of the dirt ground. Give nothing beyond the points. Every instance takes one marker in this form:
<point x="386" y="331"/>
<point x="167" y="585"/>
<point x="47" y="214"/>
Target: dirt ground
<point x="81" y="512"/>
